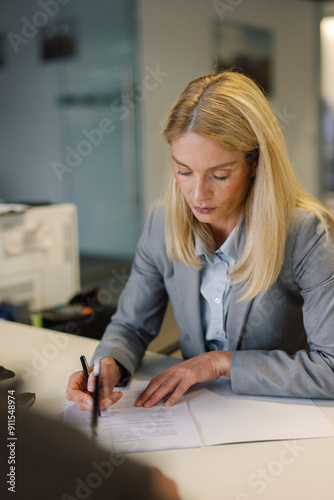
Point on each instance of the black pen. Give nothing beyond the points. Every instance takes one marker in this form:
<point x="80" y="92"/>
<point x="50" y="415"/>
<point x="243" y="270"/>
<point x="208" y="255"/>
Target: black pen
<point x="96" y="400"/>
<point x="85" y="370"/>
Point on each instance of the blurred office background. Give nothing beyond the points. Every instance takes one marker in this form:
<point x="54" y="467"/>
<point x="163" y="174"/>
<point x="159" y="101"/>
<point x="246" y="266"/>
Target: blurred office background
<point x="85" y="87"/>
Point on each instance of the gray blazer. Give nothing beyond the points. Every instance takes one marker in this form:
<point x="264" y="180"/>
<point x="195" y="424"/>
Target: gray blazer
<point x="282" y="343"/>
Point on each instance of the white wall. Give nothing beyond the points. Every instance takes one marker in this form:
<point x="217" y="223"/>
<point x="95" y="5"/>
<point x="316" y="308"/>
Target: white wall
<point x="36" y="131"/>
<point x="29" y="125"/>
<point x="176" y="36"/>
<point x="327" y="38"/>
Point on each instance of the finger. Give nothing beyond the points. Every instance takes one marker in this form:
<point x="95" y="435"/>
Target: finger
<point x="175" y="389"/>
<point x="155" y="394"/>
<point x="104" y="388"/>
<point x="81" y="399"/>
<point x="91" y="382"/>
<point x="76" y="389"/>
<point x="77" y="381"/>
<point x="83" y="407"/>
<point x="176" y="395"/>
<point x="152" y="387"/>
<point x="106" y="381"/>
<point x="111" y="400"/>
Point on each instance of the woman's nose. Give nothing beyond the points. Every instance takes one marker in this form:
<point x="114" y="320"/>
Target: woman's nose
<point x="202" y="190"/>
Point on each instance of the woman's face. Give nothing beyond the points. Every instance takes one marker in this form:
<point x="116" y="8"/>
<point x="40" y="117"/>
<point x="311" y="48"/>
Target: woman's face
<point x="213" y="180"/>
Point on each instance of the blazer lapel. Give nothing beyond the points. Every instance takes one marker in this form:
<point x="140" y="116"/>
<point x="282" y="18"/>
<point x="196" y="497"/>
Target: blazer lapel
<point x="189" y="308"/>
<point x="238" y="311"/>
<point x="237" y="315"/>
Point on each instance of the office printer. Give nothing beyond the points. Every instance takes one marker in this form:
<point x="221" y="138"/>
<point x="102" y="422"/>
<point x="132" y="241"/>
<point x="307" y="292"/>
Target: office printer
<point x="39" y="257"/>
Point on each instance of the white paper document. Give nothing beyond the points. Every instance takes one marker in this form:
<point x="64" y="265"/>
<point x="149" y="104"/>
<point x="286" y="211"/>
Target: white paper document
<point x="126" y="428"/>
<point x="224" y="417"/>
<point x="209" y="414"/>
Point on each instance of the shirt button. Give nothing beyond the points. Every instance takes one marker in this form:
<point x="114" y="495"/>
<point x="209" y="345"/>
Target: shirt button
<point x="217" y="300"/>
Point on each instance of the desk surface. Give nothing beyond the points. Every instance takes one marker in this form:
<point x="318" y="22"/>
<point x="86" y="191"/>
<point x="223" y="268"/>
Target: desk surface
<point x="300" y="469"/>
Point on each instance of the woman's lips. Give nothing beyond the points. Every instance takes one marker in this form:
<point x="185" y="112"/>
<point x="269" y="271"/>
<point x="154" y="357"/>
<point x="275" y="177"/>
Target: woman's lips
<point x="204" y="210"/>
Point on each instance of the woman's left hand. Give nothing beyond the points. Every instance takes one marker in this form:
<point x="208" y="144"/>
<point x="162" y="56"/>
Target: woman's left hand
<point x="177" y="379"/>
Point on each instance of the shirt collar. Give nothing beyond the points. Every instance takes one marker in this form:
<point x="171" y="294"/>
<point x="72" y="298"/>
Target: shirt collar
<point x="228" y="248"/>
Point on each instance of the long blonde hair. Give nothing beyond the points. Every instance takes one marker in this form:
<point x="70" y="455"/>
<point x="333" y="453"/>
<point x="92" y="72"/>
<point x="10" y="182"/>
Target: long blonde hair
<point x="230" y="109"/>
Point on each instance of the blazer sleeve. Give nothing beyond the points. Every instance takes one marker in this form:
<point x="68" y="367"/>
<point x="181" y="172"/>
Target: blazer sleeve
<point x="308" y="372"/>
<point x="143" y="302"/>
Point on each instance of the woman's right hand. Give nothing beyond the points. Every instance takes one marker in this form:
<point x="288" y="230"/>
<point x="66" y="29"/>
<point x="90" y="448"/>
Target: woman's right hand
<point x="78" y="390"/>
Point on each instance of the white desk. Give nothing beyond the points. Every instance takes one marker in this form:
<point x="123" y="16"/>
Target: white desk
<point x="302" y="469"/>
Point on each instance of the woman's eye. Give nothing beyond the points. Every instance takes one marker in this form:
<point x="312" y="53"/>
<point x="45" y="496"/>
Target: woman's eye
<point x="218" y="178"/>
<point x="184" y="173"/>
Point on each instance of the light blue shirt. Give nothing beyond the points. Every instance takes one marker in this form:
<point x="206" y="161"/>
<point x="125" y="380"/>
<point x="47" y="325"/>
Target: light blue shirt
<point x="215" y="293"/>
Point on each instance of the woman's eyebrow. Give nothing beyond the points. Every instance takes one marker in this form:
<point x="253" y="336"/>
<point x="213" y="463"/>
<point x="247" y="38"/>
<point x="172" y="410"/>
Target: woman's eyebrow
<point x="221" y="165"/>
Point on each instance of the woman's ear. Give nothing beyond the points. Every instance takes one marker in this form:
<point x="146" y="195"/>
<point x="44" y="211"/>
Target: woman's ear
<point x="252" y="158"/>
<point x="254" y="167"/>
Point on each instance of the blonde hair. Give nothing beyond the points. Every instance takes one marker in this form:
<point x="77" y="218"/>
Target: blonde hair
<point x="230" y="109"/>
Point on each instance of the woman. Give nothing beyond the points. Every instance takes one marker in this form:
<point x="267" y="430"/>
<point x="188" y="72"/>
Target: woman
<point x="244" y="254"/>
